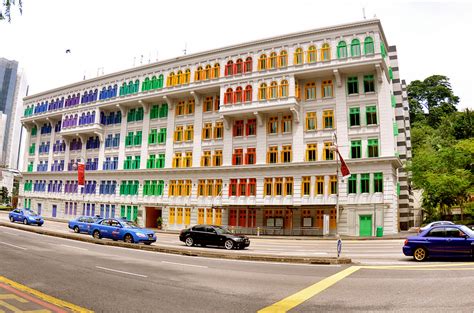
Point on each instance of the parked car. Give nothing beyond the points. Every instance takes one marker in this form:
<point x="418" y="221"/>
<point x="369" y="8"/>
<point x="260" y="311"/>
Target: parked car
<point x="26" y="216"/>
<point x="434" y="224"/>
<point x="441" y="241"/>
<point x="82" y="224"/>
<point x="119" y="229"/>
<point x="211" y="235"/>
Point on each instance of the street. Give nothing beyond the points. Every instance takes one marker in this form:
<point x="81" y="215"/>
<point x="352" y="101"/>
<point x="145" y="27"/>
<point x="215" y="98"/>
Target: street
<point x="105" y="279"/>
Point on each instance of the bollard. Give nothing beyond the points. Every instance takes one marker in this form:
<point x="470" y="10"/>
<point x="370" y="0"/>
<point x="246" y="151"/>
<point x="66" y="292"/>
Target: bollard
<point x="258" y="231"/>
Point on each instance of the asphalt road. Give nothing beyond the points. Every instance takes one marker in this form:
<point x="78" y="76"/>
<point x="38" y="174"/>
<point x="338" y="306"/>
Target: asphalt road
<point x="366" y="252"/>
<point x="112" y="279"/>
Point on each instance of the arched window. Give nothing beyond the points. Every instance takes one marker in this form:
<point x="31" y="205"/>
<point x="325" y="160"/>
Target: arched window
<point x="103" y="93"/>
<point x="114" y="91"/>
<point x="272" y="61"/>
<point x="248" y="65"/>
<point x="248" y="93"/>
<point x="154" y="82"/>
<point x="325" y="52"/>
<point x="368" y="45"/>
<point x="84" y="97"/>
<point x="179" y="78"/>
<point x="229" y="68"/>
<point x="341" y="50"/>
<point x="283" y="59"/>
<point x="298" y="57"/>
<point x="96" y="91"/>
<point x="284" y="89"/>
<point x="88" y="118"/>
<point x="216" y="73"/>
<point x="262" y="92"/>
<point x="208" y="72"/>
<point x="161" y="79"/>
<point x="146" y="84"/>
<point x="238" y="95"/>
<point x="355" y="48"/>
<point x="228" y="96"/>
<point x="238" y="66"/>
<point x="273" y="90"/>
<point x="123" y="89"/>
<point x="131" y="88"/>
<point x="170" y="79"/>
<point x="311" y="54"/>
<point x="187" y="76"/>
<point x="90" y="98"/>
<point x="262" y="62"/>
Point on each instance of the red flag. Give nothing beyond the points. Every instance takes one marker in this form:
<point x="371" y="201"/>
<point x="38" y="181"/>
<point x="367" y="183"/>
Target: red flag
<point x="344" y="168"/>
<point x="80" y="174"/>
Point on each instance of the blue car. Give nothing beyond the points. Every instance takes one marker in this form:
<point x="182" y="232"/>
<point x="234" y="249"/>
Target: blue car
<point x="82" y="224"/>
<point x="25" y="216"/>
<point x="440" y="241"/>
<point x="119" y="229"/>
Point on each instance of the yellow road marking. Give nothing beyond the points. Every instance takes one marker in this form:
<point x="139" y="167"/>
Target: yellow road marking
<point x="301" y="296"/>
<point x="57" y="302"/>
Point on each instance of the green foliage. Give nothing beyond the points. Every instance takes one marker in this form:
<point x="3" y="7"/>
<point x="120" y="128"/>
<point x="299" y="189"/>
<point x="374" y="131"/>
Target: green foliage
<point x="5" y="9"/>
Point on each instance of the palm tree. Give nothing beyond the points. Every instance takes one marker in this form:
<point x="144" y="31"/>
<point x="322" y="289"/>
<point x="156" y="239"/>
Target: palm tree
<point x="5" y="9"/>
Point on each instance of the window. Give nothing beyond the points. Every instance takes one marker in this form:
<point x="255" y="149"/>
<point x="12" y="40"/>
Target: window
<point x="170" y="79"/>
<point x="248" y="94"/>
<point x="218" y="130"/>
<point x="228" y="96"/>
<point x="288" y="186"/>
<point x="369" y="83"/>
<point x="327" y="89"/>
<point x="201" y="188"/>
<point x="189" y="133"/>
<point x="160" y="162"/>
<point x="328" y="118"/>
<point x="311" y="152"/>
<point x="378" y="182"/>
<point x="286" y="154"/>
<point x="217" y="158"/>
<point x="306" y="186"/>
<point x="209" y="187"/>
<point x="283" y="59"/>
<point x="364" y="183"/>
<point x="137" y="139"/>
<point x="189" y="108"/>
<point x="162" y="136"/>
<point x="328" y="154"/>
<point x="373" y="148"/>
<point x="248" y="65"/>
<point x="153" y="137"/>
<point x="262" y="92"/>
<point x="238" y="130"/>
<point x="238" y="157"/>
<point x="354" y="117"/>
<point x="368" y="45"/>
<point x="272" y="154"/>
<point x="355" y="48"/>
<point x="298" y="56"/>
<point x="356" y="149"/>
<point x="284" y="89"/>
<point x="252" y="187"/>
<point x="319" y="185"/>
<point x="272" y="60"/>
<point x="278" y="186"/>
<point x="207" y="105"/>
<point x="352" y="85"/>
<point x="332" y="185"/>
<point x="267" y="186"/>
<point x="272" y="125"/>
<point x="341" y="50"/>
<point x="310" y="91"/>
<point x="206" y="158"/>
<point x="177" y="160"/>
<point x="218" y="188"/>
<point x="238" y="95"/>
<point x="311" y="121"/>
<point x="251" y="129"/>
<point x="188" y="159"/>
<point x="286" y="123"/>
<point x="238" y="68"/>
<point x="371" y="115"/>
<point x="229" y="68"/>
<point x="242" y="187"/>
<point x="178" y="134"/>
<point x="207" y="131"/>
<point x="262" y="62"/>
<point x="325" y="52"/>
<point x="233" y="187"/>
<point x="180" y="108"/>
<point x="216" y="71"/>
<point x="352" y="184"/>
<point x="311" y="54"/>
<point x="273" y="90"/>
<point x="297" y="91"/>
<point x="250" y="156"/>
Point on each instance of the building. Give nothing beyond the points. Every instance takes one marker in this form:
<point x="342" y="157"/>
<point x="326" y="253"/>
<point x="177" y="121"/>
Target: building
<point x="241" y="136"/>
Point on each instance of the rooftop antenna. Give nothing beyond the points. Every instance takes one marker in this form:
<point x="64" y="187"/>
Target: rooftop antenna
<point x="98" y="71"/>
<point x="185" y="47"/>
<point x="363" y="13"/>
<point x="141" y="59"/>
<point x="134" y="59"/>
<point x="156" y="55"/>
<point x="149" y="57"/>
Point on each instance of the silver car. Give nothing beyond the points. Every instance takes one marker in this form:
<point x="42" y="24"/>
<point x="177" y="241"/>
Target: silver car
<point x="435" y="224"/>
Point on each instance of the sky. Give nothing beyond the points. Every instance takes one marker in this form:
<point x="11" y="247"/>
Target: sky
<point x="110" y="35"/>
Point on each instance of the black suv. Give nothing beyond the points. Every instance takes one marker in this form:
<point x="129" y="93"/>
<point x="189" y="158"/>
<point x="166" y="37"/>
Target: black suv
<point x="211" y="235"/>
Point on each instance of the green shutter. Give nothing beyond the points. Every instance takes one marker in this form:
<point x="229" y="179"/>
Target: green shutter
<point x="394" y="101"/>
<point x="390" y="73"/>
<point x="395" y="129"/>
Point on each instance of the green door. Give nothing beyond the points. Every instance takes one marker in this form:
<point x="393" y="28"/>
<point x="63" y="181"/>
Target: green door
<point x="365" y="225"/>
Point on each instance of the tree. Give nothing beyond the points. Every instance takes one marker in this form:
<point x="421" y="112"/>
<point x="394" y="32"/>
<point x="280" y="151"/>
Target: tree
<point x="5" y="9"/>
<point x="431" y="99"/>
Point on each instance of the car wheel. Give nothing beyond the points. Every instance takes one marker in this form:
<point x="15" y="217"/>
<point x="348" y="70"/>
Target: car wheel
<point x="76" y="229"/>
<point x="25" y="221"/>
<point x="12" y="219"/>
<point x="420" y="254"/>
<point x="128" y="238"/>
<point x="189" y="242"/>
<point x="229" y="244"/>
<point x="96" y="234"/>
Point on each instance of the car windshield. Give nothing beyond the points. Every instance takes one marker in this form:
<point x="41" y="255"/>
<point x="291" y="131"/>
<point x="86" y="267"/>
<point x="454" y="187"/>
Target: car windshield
<point x="130" y="224"/>
<point x="31" y="213"/>
<point x="221" y="231"/>
<point x="467" y="231"/>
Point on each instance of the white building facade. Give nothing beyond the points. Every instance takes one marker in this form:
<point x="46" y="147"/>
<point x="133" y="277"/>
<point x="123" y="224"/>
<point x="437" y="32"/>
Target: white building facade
<point x="241" y="136"/>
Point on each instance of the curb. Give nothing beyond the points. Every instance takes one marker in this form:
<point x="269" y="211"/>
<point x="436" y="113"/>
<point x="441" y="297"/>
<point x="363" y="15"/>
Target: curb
<point x="186" y="251"/>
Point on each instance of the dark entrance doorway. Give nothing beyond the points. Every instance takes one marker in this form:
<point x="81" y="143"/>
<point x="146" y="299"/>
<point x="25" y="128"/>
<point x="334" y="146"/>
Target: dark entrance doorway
<point x="152" y="214"/>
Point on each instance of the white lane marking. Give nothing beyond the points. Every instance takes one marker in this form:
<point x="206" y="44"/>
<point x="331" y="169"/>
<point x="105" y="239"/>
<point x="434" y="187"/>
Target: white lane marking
<point x="184" y="264"/>
<point x="8" y="244"/>
<point x="67" y="246"/>
<point x="117" y="271"/>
